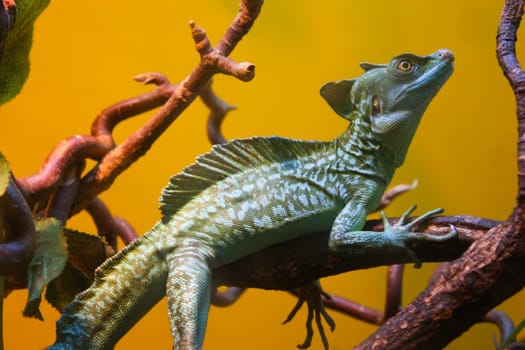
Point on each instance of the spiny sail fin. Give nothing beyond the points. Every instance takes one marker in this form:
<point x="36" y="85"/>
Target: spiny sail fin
<point x="229" y="159"/>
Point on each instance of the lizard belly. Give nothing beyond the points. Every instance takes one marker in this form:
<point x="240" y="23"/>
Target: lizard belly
<point x="242" y="219"/>
<point x="266" y="231"/>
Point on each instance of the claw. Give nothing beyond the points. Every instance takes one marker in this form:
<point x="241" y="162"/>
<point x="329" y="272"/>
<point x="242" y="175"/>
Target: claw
<point x="413" y="256"/>
<point x="403" y="230"/>
<point x="296" y="308"/>
<point x="441" y="238"/>
<point x="312" y="294"/>
<point x="403" y="219"/>
<point x="424" y="217"/>
<point x="386" y="222"/>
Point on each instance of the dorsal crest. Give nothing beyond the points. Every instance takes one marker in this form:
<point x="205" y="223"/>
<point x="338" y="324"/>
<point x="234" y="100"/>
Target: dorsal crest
<point x="227" y="160"/>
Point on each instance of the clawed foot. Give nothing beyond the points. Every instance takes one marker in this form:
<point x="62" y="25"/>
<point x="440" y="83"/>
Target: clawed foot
<point x="401" y="230"/>
<point x="312" y="294"/>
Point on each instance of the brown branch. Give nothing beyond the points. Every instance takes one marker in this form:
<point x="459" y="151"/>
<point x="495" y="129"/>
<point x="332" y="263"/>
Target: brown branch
<point x="103" y="125"/>
<point x="226" y="297"/>
<point x="503" y="322"/>
<point x="50" y="191"/>
<point x="218" y="111"/>
<point x="17" y="222"/>
<point x="394" y="192"/>
<point x="365" y="313"/>
<point x="74" y="150"/>
<point x="67" y="155"/>
<point x="212" y="61"/>
<point x="294" y="263"/>
<point x="60" y="202"/>
<point x="103" y="220"/>
<point x="174" y="99"/>
<point x="353" y="309"/>
<point x="491" y="270"/>
<point x="393" y="291"/>
<point x="368" y="314"/>
<point x="458" y="296"/>
<point x="124" y="230"/>
<point x="8" y="14"/>
<point x="506" y="53"/>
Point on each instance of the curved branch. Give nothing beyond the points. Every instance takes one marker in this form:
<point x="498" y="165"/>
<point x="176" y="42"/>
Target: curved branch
<point x="65" y="156"/>
<point x="490" y="271"/>
<point x="393" y="291"/>
<point x="103" y="220"/>
<point x="59" y="204"/>
<point x="367" y="314"/>
<point x="8" y="14"/>
<point x="506" y="53"/>
<point x="353" y="309"/>
<point x="17" y="220"/>
<point x="74" y="150"/>
<point x="218" y="111"/>
<point x="137" y="144"/>
<point x="105" y="122"/>
<point x="294" y="263"/>
<point x="124" y="230"/>
<point x="504" y="324"/>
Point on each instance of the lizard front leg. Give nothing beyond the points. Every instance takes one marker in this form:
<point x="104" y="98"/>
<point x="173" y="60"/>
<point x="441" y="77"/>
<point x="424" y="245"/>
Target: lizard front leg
<point x="346" y="237"/>
<point x="188" y="293"/>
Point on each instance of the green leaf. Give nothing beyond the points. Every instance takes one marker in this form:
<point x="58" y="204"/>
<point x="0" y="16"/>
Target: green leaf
<point x="4" y="174"/>
<point x="86" y="253"/>
<point x="47" y="264"/>
<point x="14" y="63"/>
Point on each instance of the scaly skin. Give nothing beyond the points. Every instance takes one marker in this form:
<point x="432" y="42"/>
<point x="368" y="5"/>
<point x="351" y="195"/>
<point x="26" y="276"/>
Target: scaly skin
<point x="251" y="194"/>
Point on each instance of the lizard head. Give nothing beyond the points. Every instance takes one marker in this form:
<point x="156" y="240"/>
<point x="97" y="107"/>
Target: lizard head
<point x="389" y="100"/>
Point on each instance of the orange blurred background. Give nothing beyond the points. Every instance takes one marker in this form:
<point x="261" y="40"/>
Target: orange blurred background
<point x="85" y="54"/>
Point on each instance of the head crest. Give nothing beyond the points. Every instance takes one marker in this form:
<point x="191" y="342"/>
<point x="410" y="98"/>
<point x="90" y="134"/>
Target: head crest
<point x="369" y="66"/>
<point x="337" y="94"/>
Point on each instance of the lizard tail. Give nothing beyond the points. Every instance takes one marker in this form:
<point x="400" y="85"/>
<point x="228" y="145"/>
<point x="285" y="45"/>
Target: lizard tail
<point x="126" y="286"/>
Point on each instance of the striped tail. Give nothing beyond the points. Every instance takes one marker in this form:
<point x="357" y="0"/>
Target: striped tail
<point x="125" y="287"/>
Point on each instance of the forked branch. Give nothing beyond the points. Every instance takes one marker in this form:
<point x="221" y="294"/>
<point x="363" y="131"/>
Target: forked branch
<point x="39" y="189"/>
<point x="491" y="270"/>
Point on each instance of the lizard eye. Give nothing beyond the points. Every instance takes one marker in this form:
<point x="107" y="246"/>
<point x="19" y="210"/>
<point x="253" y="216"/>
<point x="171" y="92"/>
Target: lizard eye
<point x="376" y="105"/>
<point x="405" y="66"/>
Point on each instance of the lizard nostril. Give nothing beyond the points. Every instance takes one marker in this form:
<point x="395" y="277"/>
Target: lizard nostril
<point x="445" y="54"/>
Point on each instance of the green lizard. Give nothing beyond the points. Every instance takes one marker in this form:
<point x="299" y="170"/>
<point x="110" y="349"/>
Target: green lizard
<point x="250" y="194"/>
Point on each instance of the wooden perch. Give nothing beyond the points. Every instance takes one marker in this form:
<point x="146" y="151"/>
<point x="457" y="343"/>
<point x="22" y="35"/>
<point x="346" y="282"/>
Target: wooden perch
<point x="491" y="270"/>
<point x="490" y="255"/>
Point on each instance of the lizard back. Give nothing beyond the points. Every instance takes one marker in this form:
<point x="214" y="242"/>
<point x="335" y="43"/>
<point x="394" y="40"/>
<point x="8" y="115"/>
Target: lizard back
<point x="227" y="160"/>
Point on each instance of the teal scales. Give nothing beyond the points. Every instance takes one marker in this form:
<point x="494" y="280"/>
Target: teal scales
<point x="250" y="194"/>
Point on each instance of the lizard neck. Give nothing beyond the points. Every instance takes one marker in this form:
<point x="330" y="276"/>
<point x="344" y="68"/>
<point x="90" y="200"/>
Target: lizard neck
<point x="359" y="151"/>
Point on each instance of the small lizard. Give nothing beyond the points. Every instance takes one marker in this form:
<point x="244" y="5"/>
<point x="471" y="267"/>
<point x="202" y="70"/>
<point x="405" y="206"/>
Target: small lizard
<point x="250" y="194"/>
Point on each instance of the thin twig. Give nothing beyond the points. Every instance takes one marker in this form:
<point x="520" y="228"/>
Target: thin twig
<point x="227" y="297"/>
<point x="103" y="220"/>
<point x="212" y="62"/>
<point x="504" y="324"/>
<point x="60" y="202"/>
<point x="124" y="230"/>
<point x="218" y="111"/>
<point x="353" y="309"/>
<point x="394" y="290"/>
<point x="395" y="192"/>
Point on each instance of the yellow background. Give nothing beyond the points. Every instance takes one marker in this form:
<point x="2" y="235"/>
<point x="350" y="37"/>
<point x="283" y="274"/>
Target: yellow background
<point x="85" y="54"/>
